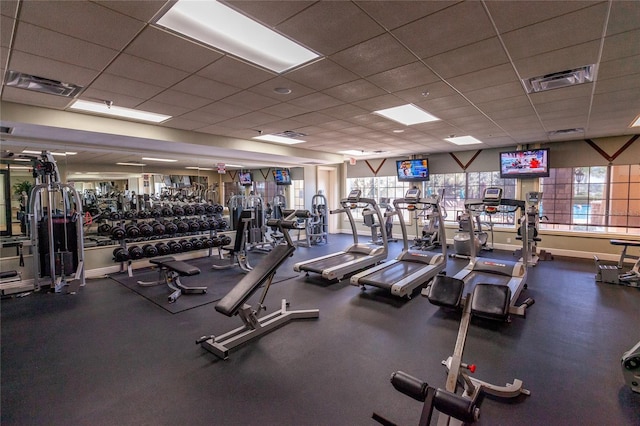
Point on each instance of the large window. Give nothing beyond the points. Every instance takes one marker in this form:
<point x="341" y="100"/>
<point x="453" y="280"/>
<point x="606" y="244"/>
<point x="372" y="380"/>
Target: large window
<point x="594" y="199"/>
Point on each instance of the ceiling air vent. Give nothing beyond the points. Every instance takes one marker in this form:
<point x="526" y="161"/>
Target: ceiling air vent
<point x="560" y="79"/>
<point x="290" y="134"/>
<point x="563" y="132"/>
<point x="5" y="130"/>
<point x="41" y="84"/>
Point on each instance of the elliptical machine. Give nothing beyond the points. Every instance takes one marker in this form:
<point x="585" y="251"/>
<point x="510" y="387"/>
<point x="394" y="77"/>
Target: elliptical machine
<point x="533" y="222"/>
<point x="462" y="239"/>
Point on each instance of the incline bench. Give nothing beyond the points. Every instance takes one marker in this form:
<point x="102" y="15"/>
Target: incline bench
<point x="170" y="270"/>
<point x="235" y="302"/>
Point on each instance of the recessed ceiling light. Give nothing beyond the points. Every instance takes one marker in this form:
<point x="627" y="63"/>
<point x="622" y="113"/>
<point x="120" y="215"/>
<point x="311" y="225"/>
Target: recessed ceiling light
<point x="398" y="131"/>
<point x="636" y="122"/>
<point x="407" y="114"/>
<point x="282" y="90"/>
<point x="61" y="154"/>
<point x="106" y="108"/>
<point x="162" y="160"/>
<point x="234" y="165"/>
<point x="198" y="168"/>
<point x="278" y="139"/>
<point x="220" y="26"/>
<point x="463" y="140"/>
<point x="131" y="164"/>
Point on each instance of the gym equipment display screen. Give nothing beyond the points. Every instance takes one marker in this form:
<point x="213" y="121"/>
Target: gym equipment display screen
<point x="245" y="178"/>
<point x="532" y="163"/>
<point x="282" y="176"/>
<point x="413" y="170"/>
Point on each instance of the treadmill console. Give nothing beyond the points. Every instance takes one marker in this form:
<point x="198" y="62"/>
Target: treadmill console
<point x="412" y="195"/>
<point x="492" y="196"/>
<point x="354" y="196"/>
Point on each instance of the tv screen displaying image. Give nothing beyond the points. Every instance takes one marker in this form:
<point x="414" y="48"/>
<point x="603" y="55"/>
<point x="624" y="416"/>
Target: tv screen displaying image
<point x="524" y="164"/>
<point x="245" y="178"/>
<point x="413" y="170"/>
<point x="282" y="176"/>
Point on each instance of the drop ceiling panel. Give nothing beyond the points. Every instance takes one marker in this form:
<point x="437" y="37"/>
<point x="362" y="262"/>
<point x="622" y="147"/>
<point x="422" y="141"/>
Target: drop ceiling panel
<point x="9" y="8"/>
<point x="619" y="67"/>
<point x="618" y="84"/>
<point x="407" y="76"/>
<point x="91" y="22"/>
<point x="268" y="87"/>
<point x="286" y="110"/>
<point x="119" y="99"/>
<point x="49" y="44"/>
<point x="328" y="27"/>
<point x="354" y="91"/>
<point x="235" y="73"/>
<point x="397" y="13"/>
<point x="252" y="101"/>
<point x="125" y="86"/>
<point x="163" y="108"/>
<point x="476" y="56"/>
<point x="511" y="15"/>
<point x="145" y="71"/>
<point x="226" y="110"/>
<point x="270" y="13"/>
<point x="6" y="31"/>
<point x="182" y="123"/>
<point x="559" y="60"/>
<point x="316" y="101"/>
<point x="164" y="48"/>
<point x="140" y="10"/>
<point x="484" y="78"/>
<point x="557" y="33"/>
<point x="344" y="111"/>
<point x="12" y="94"/>
<point x="48" y="68"/>
<point x="624" y="17"/>
<point x="321" y="75"/>
<point x="454" y="27"/>
<point x="427" y="92"/>
<point x="500" y="92"/>
<point x="249" y="121"/>
<point x="621" y="45"/>
<point x="204" y="87"/>
<point x="181" y="99"/>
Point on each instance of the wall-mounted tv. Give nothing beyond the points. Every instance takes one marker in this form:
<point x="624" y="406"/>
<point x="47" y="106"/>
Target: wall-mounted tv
<point x="282" y="176"/>
<point x="530" y="163"/>
<point x="245" y="178"/>
<point x="413" y="170"/>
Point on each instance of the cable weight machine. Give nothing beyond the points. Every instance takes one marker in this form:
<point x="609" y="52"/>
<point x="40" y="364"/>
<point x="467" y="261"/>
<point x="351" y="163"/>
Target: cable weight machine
<point x="56" y="236"/>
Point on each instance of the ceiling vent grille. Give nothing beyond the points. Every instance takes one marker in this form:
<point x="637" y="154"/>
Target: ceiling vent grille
<point x="290" y="134"/>
<point x="560" y="79"/>
<point x="563" y="132"/>
<point x="5" y="130"/>
<point x="41" y="84"/>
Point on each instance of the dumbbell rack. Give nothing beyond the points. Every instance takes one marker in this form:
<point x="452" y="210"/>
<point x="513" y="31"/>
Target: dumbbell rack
<point x="182" y="237"/>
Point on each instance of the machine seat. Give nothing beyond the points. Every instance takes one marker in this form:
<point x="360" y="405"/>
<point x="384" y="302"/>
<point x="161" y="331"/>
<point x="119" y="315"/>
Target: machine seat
<point x="446" y="291"/>
<point x="182" y="268"/>
<point x="491" y="301"/>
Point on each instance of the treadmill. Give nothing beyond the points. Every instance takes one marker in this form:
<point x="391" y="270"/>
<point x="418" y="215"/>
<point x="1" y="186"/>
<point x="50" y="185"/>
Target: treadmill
<point x="411" y="268"/>
<point x="497" y="272"/>
<point x="355" y="257"/>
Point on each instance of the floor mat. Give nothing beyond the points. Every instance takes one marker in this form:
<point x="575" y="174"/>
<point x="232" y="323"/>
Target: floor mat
<point x="218" y="283"/>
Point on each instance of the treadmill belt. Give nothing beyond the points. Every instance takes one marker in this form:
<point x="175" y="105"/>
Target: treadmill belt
<point x="320" y="265"/>
<point x="387" y="277"/>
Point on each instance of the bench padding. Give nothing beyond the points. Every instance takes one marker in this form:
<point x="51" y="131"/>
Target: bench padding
<point x="491" y="301"/>
<point x="182" y="268"/>
<point x="446" y="291"/>
<point x="248" y="285"/>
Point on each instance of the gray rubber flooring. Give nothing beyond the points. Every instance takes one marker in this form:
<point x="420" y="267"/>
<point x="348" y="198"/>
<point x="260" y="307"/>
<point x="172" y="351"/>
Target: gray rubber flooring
<point x="107" y="356"/>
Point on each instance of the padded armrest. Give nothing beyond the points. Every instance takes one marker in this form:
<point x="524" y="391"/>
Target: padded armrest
<point x="242" y="291"/>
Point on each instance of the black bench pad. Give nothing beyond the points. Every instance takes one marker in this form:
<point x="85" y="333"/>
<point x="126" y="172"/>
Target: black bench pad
<point x="446" y="291"/>
<point x="182" y="268"/>
<point x="491" y="301"/>
<point x="242" y="291"/>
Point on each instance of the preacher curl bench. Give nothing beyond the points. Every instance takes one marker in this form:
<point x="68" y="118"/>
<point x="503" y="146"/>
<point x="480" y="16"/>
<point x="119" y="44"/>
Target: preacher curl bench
<point x="170" y="270"/>
<point x="235" y="302"/>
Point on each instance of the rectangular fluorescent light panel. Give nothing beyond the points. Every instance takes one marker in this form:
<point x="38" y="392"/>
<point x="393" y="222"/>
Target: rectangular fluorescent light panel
<point x="278" y="139"/>
<point x="463" y="140"/>
<point x="162" y="160"/>
<point x="116" y="111"/>
<point x="220" y="26"/>
<point x="636" y="123"/>
<point x="407" y="114"/>
<point x="130" y="164"/>
<point x="355" y="152"/>
<point x="61" y="154"/>
<point x="198" y="168"/>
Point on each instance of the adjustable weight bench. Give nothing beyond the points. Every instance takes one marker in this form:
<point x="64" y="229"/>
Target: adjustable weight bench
<point x="169" y="272"/>
<point x="235" y="302"/>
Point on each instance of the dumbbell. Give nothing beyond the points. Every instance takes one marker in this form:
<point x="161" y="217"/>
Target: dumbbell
<point x="217" y="208"/>
<point x="143" y="214"/>
<point x="136" y="253"/>
<point x="163" y="249"/>
<point x="118" y="232"/>
<point x="189" y="210"/>
<point x="222" y="225"/>
<point x="204" y="225"/>
<point x="199" y="209"/>
<point x="210" y="209"/>
<point x="158" y="228"/>
<point x="104" y="228"/>
<point x="216" y="241"/>
<point x="198" y="244"/>
<point x="178" y="211"/>
<point x="166" y="211"/>
<point x="183" y="227"/>
<point x="225" y="240"/>
<point x="194" y="225"/>
<point x="129" y="214"/>
<point x="155" y="213"/>
<point x="146" y="230"/>
<point x="120" y="254"/>
<point x="170" y="228"/>
<point x="208" y="242"/>
<point x="174" y="247"/>
<point x="149" y="250"/>
<point x="132" y="230"/>
<point x="186" y="245"/>
<point x="115" y="216"/>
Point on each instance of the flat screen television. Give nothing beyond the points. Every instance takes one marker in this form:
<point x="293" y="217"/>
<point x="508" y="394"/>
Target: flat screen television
<point x="413" y="170"/>
<point x="245" y="178"/>
<point x="282" y="176"/>
<point x="530" y="163"/>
